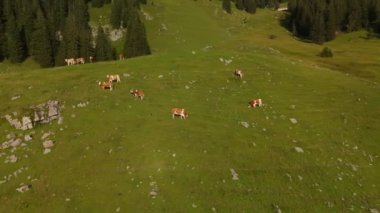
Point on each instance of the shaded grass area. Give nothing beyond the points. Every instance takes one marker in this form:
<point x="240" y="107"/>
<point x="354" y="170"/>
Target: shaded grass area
<point x="108" y="154"/>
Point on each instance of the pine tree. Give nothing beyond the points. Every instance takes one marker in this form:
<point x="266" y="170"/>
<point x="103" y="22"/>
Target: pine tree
<point x="15" y="44"/>
<point x="103" y="50"/>
<point x="116" y="13"/>
<point x="250" y="6"/>
<point x="97" y="3"/>
<point x="227" y="6"/>
<point x="317" y="33"/>
<point x="136" y="43"/>
<point x="331" y="24"/>
<point x="239" y="4"/>
<point x="3" y="48"/>
<point x="42" y="50"/>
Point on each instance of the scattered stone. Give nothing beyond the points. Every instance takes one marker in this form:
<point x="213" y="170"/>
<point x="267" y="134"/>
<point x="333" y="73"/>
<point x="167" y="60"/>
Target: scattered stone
<point x="27" y="138"/>
<point x="194" y="205"/>
<point x="187" y="87"/>
<point x="244" y="124"/>
<point x="126" y="75"/>
<point x="293" y="120"/>
<point x="11" y="159"/>
<point x="235" y="176"/>
<point x="24" y="188"/>
<point x="373" y="211"/>
<point x="48" y="144"/>
<point x="160" y="76"/>
<point x="292" y="107"/>
<point x="154" y="191"/>
<point x="15" y="143"/>
<point x="26" y="123"/>
<point x="60" y="120"/>
<point x="15" y="97"/>
<point x="299" y="149"/>
<point x="45" y="135"/>
<point x="276" y="208"/>
<point x="118" y="209"/>
<point x="47" y="151"/>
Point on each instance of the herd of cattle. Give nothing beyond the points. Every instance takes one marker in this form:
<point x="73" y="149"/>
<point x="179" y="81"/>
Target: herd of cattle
<point x="73" y="61"/>
<point x="181" y="112"/>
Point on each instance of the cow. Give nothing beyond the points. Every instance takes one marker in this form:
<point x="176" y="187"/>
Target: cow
<point x="113" y="78"/>
<point x="179" y="112"/>
<point x="79" y="60"/>
<point x="255" y="102"/>
<point x="106" y="85"/>
<point x="238" y="73"/>
<point x="137" y="93"/>
<point x="121" y="57"/>
<point x="91" y="58"/>
<point x="70" y="61"/>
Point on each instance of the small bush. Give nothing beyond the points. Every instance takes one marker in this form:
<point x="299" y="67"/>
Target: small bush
<point x="326" y="53"/>
<point x="272" y="36"/>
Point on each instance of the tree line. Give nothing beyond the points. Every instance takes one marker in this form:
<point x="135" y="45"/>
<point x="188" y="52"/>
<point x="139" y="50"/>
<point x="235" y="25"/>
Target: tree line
<point x="250" y="6"/>
<point x="321" y="20"/>
<point x="51" y="30"/>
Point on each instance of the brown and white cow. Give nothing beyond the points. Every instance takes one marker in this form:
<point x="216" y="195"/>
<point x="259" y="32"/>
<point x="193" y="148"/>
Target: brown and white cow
<point x="70" y="61"/>
<point x="255" y="102"/>
<point x="137" y="93"/>
<point x="113" y="78"/>
<point x="106" y="85"/>
<point x="79" y="61"/>
<point x="179" y="112"/>
<point x="238" y="73"/>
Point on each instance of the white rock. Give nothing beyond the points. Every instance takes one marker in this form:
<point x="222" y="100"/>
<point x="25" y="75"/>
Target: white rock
<point x="47" y="151"/>
<point x="28" y="138"/>
<point x="299" y="149"/>
<point x="23" y="188"/>
<point x="245" y="124"/>
<point x="15" y="143"/>
<point x="12" y="159"/>
<point x="15" y="97"/>
<point x="48" y="144"/>
<point x="373" y="211"/>
<point x="293" y="120"/>
<point x="45" y="135"/>
<point x="235" y="176"/>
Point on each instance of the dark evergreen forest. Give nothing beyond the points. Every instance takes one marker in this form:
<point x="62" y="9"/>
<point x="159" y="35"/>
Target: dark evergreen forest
<point x="50" y="31"/>
<point x="322" y="20"/>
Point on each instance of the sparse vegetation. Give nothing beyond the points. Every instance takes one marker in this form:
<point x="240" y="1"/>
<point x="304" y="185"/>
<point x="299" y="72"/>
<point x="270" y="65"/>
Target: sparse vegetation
<point x="326" y="53"/>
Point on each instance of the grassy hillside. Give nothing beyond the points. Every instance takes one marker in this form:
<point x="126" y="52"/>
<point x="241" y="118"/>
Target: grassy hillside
<point x="111" y="154"/>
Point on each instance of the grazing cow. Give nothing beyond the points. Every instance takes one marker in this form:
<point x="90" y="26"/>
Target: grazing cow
<point x="91" y="58"/>
<point x="179" y="112"/>
<point x="238" y="73"/>
<point x="137" y="93"/>
<point x="255" y="102"/>
<point x="79" y="60"/>
<point x="70" y="61"/>
<point x="106" y="85"/>
<point x="113" y="78"/>
<point x="121" y="57"/>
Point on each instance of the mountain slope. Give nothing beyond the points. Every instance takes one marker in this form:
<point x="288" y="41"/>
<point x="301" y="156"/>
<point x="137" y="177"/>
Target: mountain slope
<point x="113" y="153"/>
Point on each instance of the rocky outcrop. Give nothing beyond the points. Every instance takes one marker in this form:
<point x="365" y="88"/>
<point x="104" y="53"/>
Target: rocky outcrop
<point x="42" y="113"/>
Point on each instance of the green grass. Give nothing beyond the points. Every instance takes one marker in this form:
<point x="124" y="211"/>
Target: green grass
<point x="107" y="156"/>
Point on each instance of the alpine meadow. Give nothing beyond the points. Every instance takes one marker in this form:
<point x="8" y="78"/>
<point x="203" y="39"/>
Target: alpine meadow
<point x="138" y="106"/>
